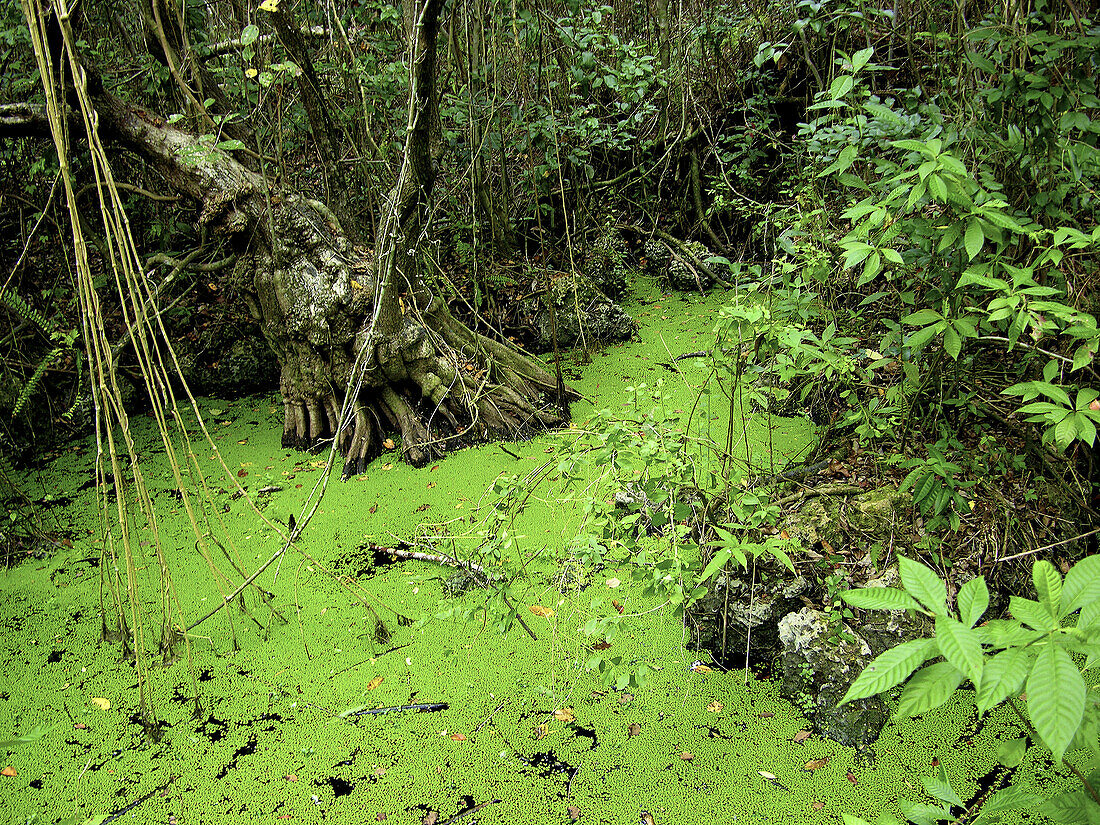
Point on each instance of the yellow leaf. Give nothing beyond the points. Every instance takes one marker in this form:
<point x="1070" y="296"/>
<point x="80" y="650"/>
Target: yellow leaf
<point x="539" y="610"/>
<point x="387" y="466"/>
<point x="270" y="6"/>
<point x="356" y="284"/>
<point x="565" y="715"/>
<point x="715" y="707"/>
<point x="375" y="682"/>
<point x="101" y="703"/>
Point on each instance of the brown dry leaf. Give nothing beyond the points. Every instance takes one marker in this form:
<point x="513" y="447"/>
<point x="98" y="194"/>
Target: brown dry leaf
<point x="430" y="818"/>
<point x="423" y="507"/>
<point x="375" y="682"/>
<point x="291" y="777"/>
<point x="687" y="756"/>
<point x="801" y="736"/>
<point x="817" y="806"/>
<point x="814" y="764"/>
<point x="242" y="473"/>
<point x="458" y="737"/>
<point x="540" y="731"/>
<point x="9" y="771"/>
<point x="574" y="812"/>
<point x="101" y="703"/>
<point x="565" y="715"/>
<point x="715" y="707"/>
<point x="373" y="509"/>
<point x="647" y="818"/>
<point x="633" y="729"/>
<point x="625" y="697"/>
<point x="852" y="778"/>
<point x="539" y="610"/>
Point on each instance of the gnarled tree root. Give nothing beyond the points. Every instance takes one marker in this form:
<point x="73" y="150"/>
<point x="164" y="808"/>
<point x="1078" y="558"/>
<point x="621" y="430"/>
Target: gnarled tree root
<point x="441" y="387"/>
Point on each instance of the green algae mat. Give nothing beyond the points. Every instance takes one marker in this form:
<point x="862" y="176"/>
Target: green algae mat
<point x="305" y="712"/>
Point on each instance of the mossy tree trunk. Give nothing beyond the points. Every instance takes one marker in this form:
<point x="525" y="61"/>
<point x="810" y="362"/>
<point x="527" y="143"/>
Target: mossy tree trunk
<point x="339" y="315"/>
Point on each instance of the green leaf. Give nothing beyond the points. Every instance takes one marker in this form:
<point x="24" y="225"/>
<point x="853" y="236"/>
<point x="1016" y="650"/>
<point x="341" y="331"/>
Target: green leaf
<point x="952" y="343"/>
<point x="940" y="788"/>
<point x="890" y="668"/>
<point x="33" y="735"/>
<point x="843" y="161"/>
<point x="922" y="317"/>
<point x="1031" y="613"/>
<point x="1003" y="676"/>
<point x="860" y="58"/>
<point x="249" y="35"/>
<point x="974" y="238"/>
<point x="930" y="687"/>
<point x="1011" y="753"/>
<point x="1071" y="807"/>
<point x="841" y="86"/>
<point x="959" y="644"/>
<point x="1048" y="584"/>
<point x="921" y="813"/>
<point x="1055" y="698"/>
<point x="923" y="585"/>
<point x="973" y="601"/>
<point x="1090" y="614"/>
<point x="880" y="598"/>
<point x="716" y="563"/>
<point x="1012" y="798"/>
<point x="1082" y="584"/>
<point x="936" y="188"/>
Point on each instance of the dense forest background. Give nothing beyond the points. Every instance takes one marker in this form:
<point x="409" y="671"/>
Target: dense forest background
<point x="373" y="204"/>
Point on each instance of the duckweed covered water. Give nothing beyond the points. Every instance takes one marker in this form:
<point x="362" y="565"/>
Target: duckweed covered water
<point x="522" y="733"/>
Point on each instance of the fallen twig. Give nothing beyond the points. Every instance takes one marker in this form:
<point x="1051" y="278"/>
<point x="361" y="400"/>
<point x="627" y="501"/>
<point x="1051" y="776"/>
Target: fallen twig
<point x="421" y="707"/>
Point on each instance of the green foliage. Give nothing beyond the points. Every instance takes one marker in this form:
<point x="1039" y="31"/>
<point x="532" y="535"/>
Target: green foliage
<point x="62" y="343"/>
<point x="1033" y="652"/>
<point x="937" y="491"/>
<point x="933" y="226"/>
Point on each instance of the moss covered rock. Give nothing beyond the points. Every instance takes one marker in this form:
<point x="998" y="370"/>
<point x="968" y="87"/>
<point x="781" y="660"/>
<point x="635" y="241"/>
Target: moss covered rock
<point x="819" y="663"/>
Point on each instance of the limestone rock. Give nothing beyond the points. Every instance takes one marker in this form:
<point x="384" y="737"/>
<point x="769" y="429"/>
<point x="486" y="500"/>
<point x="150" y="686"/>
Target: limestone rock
<point x="818" y="667"/>
<point x="735" y="616"/>
<point x="580" y="306"/>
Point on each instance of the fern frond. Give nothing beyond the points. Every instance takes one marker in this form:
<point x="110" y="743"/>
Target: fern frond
<point x="22" y="309"/>
<point x="35" y="379"/>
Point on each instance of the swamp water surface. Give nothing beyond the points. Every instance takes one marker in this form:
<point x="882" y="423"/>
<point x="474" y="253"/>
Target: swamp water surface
<point x="516" y="730"/>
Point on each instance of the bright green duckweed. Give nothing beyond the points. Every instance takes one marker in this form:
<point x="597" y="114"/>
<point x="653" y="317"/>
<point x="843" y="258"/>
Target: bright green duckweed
<point x="527" y="731"/>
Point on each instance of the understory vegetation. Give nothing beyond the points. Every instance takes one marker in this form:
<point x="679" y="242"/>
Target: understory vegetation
<point x="382" y="209"/>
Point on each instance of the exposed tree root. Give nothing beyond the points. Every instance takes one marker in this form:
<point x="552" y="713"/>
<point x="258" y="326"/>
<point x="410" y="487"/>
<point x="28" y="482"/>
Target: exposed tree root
<point x="441" y="386"/>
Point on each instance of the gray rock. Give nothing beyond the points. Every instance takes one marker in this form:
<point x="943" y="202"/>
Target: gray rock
<point x="736" y="616"/>
<point x="585" y="309"/>
<point x="818" y="667"/>
<point x="683" y="274"/>
<point x="884" y="629"/>
<point x="606" y="266"/>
